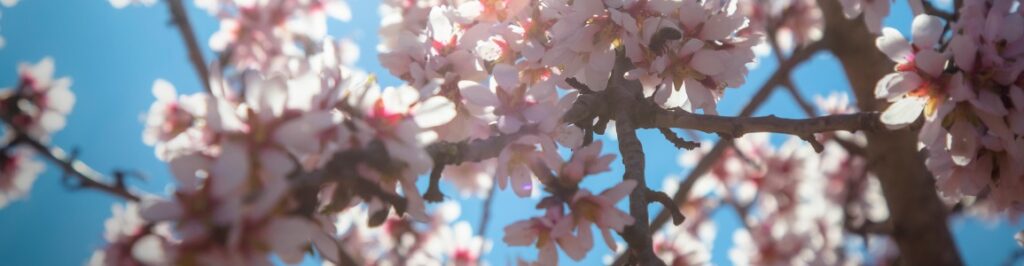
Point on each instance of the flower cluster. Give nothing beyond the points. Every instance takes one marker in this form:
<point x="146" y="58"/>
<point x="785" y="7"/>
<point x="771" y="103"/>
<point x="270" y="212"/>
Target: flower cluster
<point x="239" y="151"/>
<point x="255" y="34"/>
<point x="969" y="88"/>
<point x="794" y="22"/>
<point x="571" y="232"/>
<point x="686" y="53"/>
<point x="32" y="111"/>
<point x="290" y="145"/>
<point x="400" y="241"/>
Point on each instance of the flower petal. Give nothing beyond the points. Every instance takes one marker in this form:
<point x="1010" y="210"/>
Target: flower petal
<point x="903" y="112"/>
<point x="434" y="111"/>
<point x="926" y="31"/>
<point x="893" y="45"/>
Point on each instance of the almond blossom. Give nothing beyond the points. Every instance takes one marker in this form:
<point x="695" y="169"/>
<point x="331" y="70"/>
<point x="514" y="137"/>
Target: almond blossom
<point x="977" y="144"/>
<point x="873" y="10"/>
<point x="170" y="120"/>
<point x="543" y="233"/>
<point x="514" y="163"/>
<point x="32" y="111"/>
<point x="599" y="210"/>
<point x="471" y="178"/>
<point x="400" y="240"/>
<point x="689" y="54"/>
<point x="968" y="92"/>
<point x="132" y="241"/>
<point x="1020" y="238"/>
<point x="257" y="33"/>
<point x="917" y="85"/>
<point x="43" y="102"/>
<point x="461" y="246"/>
<point x="571" y="231"/>
<point x="796" y="22"/>
<point x="18" y="170"/>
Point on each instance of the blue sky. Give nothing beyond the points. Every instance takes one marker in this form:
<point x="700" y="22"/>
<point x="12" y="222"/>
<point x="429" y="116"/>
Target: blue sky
<point x="113" y="56"/>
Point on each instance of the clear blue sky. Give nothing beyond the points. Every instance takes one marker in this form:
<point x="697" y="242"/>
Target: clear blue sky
<point x="113" y="57"/>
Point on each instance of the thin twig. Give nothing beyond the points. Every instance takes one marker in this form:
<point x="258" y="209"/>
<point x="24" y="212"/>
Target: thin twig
<point x="670" y="206"/>
<point x="433" y="193"/>
<point x="678" y="141"/>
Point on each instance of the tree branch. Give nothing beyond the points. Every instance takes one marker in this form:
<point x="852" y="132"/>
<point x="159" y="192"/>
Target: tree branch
<point x="668" y="204"/>
<point x="195" y="55"/>
<point x="73" y="168"/>
<point x="445" y="152"/>
<point x="739" y="126"/>
<point x="678" y="141"/>
<point x="625" y="95"/>
<point x="433" y="193"/>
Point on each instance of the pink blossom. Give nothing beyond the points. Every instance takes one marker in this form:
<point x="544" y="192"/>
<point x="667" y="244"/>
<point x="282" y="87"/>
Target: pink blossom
<point x="258" y="33"/>
<point x="172" y="121"/>
<point x="513" y="164"/>
<point x="471" y="178"/>
<point x="44" y="102"/>
<point x="599" y="210"/>
<point x="917" y="82"/>
<point x="547" y="233"/>
<point x="797" y="22"/>
<point x="130" y="241"/>
<point x="584" y="161"/>
<point x="460" y="245"/>
<point x="873" y="10"/>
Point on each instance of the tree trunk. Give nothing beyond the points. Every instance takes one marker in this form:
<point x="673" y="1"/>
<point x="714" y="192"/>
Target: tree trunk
<point x="919" y="218"/>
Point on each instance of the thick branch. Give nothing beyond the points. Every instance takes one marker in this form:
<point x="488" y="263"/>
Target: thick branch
<point x="766" y="89"/>
<point x="626" y="96"/>
<point x="738" y="126"/>
<point x="180" y="19"/>
<point x="473" y="150"/>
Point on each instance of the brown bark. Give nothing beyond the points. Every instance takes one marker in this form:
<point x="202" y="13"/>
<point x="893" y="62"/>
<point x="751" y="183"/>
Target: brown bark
<point x="919" y="218"/>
